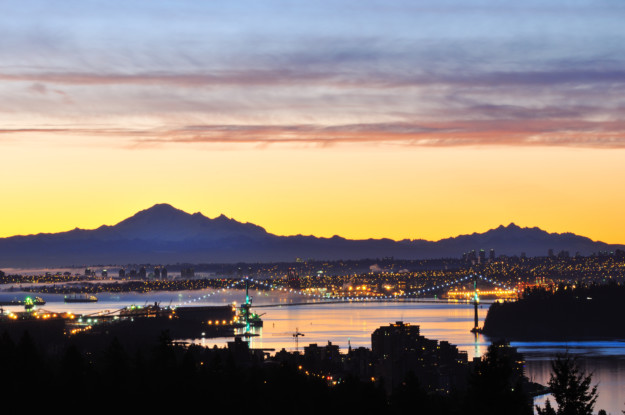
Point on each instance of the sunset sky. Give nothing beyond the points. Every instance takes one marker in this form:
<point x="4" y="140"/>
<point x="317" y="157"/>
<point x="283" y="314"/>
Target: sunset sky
<point x="398" y="119"/>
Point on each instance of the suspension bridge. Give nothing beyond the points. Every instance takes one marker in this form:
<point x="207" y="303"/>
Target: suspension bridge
<point x="328" y="298"/>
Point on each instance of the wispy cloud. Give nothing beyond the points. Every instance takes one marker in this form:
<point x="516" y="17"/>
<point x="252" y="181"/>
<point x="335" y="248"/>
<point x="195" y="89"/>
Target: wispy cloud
<point x="550" y="108"/>
<point x="419" y="75"/>
<point x="189" y="80"/>
<point x="335" y="78"/>
<point x="466" y="133"/>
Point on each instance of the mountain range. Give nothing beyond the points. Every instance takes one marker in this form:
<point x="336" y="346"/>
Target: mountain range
<point x="164" y="234"/>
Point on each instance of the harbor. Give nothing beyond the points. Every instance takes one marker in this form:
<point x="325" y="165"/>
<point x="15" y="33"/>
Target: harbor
<point x="351" y="324"/>
<point x="132" y="323"/>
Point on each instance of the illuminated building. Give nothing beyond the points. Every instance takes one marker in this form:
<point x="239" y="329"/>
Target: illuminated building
<point x="399" y="349"/>
<point x="293" y="279"/>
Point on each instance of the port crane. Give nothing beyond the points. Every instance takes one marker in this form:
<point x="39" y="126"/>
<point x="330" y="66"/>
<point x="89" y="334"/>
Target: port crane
<point x="295" y="335"/>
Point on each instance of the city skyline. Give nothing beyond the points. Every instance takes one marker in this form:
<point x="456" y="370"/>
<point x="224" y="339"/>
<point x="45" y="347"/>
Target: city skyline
<point x="364" y="120"/>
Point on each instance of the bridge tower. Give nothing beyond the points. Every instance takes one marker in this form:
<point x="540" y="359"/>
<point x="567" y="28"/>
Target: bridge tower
<point x="245" y="307"/>
<point x="476" y="300"/>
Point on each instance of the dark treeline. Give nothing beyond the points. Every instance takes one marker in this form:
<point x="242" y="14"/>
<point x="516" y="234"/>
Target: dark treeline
<point x="568" y="312"/>
<point x="164" y="376"/>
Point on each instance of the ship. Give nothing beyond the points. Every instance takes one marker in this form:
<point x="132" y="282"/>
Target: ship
<point x="151" y="310"/>
<point x="149" y="321"/>
<point x="207" y="314"/>
<point x="212" y="315"/>
<point x="27" y="302"/>
<point x="81" y="299"/>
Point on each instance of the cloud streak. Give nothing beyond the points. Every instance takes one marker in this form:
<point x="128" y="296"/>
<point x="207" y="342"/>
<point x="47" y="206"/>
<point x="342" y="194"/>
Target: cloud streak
<point x="467" y="133"/>
<point x="372" y="79"/>
<point x="461" y="133"/>
<point x="335" y="75"/>
<point x="559" y="107"/>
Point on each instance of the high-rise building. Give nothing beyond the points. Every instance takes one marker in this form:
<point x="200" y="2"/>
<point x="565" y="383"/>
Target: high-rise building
<point x="187" y="272"/>
<point x="293" y="279"/>
<point x="400" y="349"/>
<point x="469" y="256"/>
<point x="394" y="339"/>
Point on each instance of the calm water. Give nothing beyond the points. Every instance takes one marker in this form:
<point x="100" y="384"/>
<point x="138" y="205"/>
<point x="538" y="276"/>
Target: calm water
<point x="353" y="323"/>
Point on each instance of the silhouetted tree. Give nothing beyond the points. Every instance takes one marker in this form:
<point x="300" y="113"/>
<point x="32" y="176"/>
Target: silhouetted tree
<point x="7" y="362"/>
<point x="496" y="386"/>
<point x="570" y="388"/>
<point x="410" y="394"/>
<point x="73" y="367"/>
<point x="116" y="362"/>
<point x="7" y="351"/>
<point x="164" y="356"/>
<point x="28" y="357"/>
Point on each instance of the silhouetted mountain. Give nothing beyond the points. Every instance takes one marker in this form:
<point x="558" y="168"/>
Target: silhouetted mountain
<point x="164" y="234"/>
<point x="163" y="222"/>
<point x="513" y="240"/>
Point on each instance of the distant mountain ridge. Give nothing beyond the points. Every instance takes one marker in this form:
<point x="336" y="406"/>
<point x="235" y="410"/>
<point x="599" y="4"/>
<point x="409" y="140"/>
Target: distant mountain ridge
<point x="163" y="222"/>
<point x="164" y="234"/>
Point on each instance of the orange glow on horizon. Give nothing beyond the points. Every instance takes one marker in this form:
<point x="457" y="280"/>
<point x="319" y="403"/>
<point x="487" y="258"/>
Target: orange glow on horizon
<point x="355" y="191"/>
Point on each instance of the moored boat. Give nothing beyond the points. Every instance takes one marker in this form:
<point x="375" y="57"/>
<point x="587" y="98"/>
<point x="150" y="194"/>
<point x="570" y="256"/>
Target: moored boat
<point x="27" y="301"/>
<point x="81" y="299"/>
